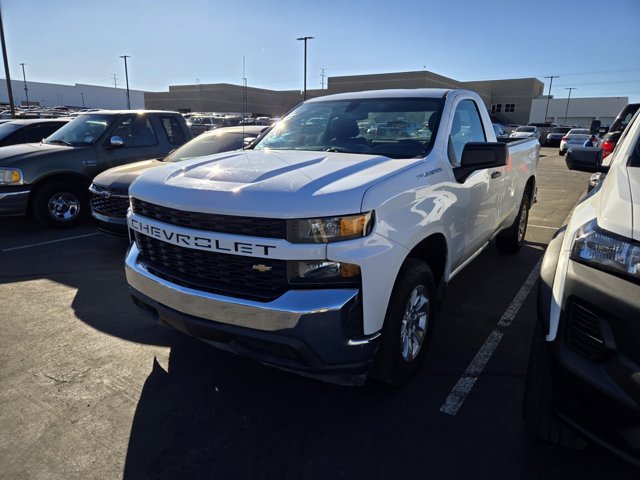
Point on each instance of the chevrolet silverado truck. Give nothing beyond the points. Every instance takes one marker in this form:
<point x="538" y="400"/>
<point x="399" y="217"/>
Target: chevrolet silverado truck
<point x="326" y="248"/>
<point x="584" y="368"/>
<point x="50" y="179"/>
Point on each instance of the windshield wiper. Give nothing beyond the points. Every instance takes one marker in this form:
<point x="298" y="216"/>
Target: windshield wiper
<point x="59" y="142"/>
<point x="341" y="150"/>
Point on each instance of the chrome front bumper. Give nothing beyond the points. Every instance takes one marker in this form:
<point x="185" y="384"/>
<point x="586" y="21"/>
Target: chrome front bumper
<point x="14" y="202"/>
<point x="282" y="313"/>
<point x="309" y="331"/>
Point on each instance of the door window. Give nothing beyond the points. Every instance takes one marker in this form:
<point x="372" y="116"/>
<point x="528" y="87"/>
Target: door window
<point x="135" y="132"/>
<point x="174" y="132"/>
<point x="466" y="127"/>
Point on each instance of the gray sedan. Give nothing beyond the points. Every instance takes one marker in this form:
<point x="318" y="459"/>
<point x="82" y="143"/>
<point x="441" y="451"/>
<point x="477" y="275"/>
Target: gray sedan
<point x="575" y="137"/>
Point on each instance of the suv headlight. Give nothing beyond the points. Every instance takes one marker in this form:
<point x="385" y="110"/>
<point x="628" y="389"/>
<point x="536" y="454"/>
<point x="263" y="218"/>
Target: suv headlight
<point x="606" y="251"/>
<point x="329" y="229"/>
<point x="10" y="176"/>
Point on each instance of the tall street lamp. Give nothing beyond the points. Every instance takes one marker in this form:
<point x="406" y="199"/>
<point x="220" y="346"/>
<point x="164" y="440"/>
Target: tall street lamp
<point x="549" y="96"/>
<point x="6" y="69"/>
<point x="26" y="89"/>
<point x="304" y="39"/>
<point x="568" y="100"/>
<point x="126" y="76"/>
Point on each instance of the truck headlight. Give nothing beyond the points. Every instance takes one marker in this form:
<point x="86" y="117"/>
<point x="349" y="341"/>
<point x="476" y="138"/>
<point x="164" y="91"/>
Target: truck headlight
<point x="309" y="272"/>
<point x="10" y="176"/>
<point x="606" y="251"/>
<point x="329" y="229"/>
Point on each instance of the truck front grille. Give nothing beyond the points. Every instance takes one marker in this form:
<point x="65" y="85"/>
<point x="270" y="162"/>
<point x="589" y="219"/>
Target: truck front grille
<point x="111" y="206"/>
<point x="213" y="272"/>
<point x="249" y="226"/>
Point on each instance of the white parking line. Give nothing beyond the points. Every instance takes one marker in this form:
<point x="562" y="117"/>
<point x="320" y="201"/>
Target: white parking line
<point x="474" y="370"/>
<point x="542" y="226"/>
<point x="49" y="242"/>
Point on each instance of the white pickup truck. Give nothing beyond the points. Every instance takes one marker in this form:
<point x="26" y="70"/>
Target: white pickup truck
<point x="326" y="248"/>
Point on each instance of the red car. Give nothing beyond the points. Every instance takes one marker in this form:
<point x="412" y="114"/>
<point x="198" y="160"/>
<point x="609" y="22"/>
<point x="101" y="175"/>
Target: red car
<point x="617" y="127"/>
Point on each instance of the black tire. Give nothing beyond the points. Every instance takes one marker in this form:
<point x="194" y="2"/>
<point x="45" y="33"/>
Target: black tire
<point x="512" y="239"/>
<point x="397" y="358"/>
<point x="539" y="397"/>
<point x="60" y="204"/>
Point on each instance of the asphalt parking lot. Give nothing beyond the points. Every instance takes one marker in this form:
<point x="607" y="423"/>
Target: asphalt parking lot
<point x="91" y="388"/>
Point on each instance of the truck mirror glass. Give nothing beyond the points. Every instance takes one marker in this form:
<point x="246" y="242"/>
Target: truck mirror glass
<point x="585" y="159"/>
<point x="116" y="141"/>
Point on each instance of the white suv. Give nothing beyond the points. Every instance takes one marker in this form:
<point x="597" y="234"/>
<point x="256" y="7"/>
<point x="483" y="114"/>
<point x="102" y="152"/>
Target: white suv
<point x="584" y="369"/>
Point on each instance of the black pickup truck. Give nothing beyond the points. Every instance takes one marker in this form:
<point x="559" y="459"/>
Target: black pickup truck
<point x="50" y="179"/>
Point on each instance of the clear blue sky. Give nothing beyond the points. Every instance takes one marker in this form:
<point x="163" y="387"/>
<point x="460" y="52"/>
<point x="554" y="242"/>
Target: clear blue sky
<point x="591" y="45"/>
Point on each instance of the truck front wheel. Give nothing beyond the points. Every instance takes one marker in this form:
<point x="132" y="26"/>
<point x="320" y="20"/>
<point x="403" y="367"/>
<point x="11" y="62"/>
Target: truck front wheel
<point x="408" y="324"/>
<point x="59" y="204"/>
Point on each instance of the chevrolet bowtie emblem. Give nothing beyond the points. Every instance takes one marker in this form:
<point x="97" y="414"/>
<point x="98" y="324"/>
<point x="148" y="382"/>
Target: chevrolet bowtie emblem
<point x="261" y="268"/>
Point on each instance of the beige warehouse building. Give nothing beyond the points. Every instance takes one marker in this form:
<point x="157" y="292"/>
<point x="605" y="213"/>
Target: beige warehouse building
<point x="508" y="100"/>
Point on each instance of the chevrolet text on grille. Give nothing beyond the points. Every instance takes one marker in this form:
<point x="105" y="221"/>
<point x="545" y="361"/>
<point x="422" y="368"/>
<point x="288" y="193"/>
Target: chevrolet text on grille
<point x="195" y="241"/>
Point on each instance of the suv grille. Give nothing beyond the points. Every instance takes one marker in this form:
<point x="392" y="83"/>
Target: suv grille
<point x="250" y="226"/>
<point x="213" y="272"/>
<point x="110" y="206"/>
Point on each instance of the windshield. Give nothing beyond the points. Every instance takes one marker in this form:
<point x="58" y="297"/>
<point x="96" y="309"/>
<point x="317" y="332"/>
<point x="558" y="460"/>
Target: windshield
<point x="579" y="131"/>
<point x="560" y="130"/>
<point x="526" y="129"/>
<point x="84" y="130"/>
<point x="208" y="144"/>
<point x="392" y="127"/>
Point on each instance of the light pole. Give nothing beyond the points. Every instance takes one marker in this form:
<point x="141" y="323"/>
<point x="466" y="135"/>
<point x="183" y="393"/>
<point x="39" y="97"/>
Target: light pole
<point x="126" y="76"/>
<point x="549" y="95"/>
<point x="82" y="96"/>
<point x="26" y="89"/>
<point x="304" y="39"/>
<point x="568" y="100"/>
<point x="6" y="69"/>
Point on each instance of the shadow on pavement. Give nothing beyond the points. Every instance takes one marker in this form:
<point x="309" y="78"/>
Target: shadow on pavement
<point x="215" y="415"/>
<point x="91" y="262"/>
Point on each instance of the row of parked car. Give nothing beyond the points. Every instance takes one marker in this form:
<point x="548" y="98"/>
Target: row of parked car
<point x="203" y="122"/>
<point x="565" y="137"/>
<point x="47" y="166"/>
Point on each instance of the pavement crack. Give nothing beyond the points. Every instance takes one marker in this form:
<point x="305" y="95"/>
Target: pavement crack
<point x="73" y="379"/>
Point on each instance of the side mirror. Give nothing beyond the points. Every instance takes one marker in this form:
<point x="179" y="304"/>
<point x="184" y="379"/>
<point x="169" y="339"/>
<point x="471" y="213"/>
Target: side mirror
<point x="116" y="142"/>
<point x="481" y="155"/>
<point x="585" y="159"/>
<point x="248" y="141"/>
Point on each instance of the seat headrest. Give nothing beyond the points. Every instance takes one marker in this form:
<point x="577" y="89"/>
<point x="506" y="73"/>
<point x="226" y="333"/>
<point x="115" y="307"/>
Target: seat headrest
<point x="343" y="127"/>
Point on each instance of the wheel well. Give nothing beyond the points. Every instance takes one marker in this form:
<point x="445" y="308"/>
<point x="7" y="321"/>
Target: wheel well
<point x="530" y="187"/>
<point x="433" y="250"/>
<point x="77" y="180"/>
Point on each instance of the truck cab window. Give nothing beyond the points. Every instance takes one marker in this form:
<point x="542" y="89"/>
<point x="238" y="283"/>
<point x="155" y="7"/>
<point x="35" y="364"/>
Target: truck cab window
<point x="136" y="132"/>
<point x="466" y="127"/>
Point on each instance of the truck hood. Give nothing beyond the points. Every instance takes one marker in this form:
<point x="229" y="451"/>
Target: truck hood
<point x="14" y="155"/>
<point x="121" y="177"/>
<point x="276" y="183"/>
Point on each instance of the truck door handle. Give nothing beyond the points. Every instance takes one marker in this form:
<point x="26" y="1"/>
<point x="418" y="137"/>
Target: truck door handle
<point x="495" y="174"/>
